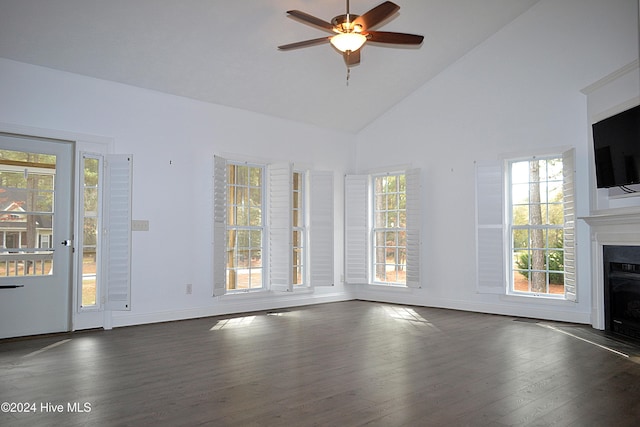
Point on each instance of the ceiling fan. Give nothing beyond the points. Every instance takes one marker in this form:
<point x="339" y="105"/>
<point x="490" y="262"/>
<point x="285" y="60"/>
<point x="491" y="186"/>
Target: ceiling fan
<point x="352" y="31"/>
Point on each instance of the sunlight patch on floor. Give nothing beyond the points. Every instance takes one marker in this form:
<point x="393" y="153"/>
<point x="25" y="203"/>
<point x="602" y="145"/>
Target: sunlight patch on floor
<point x="236" y="322"/>
<point x="49" y="347"/>
<point x="408" y="315"/>
<point x="619" y="353"/>
<point x="283" y="313"/>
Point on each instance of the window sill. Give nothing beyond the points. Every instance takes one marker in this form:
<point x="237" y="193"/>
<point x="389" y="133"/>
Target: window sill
<point x="249" y="294"/>
<point x="386" y="288"/>
<point x="542" y="299"/>
<point x="265" y="293"/>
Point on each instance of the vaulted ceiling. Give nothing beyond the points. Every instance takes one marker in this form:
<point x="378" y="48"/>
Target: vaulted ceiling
<point x="225" y="52"/>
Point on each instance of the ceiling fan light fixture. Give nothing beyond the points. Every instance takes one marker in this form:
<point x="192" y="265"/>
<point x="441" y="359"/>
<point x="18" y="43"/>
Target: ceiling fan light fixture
<point x="348" y="41"/>
<point x="351" y="31"/>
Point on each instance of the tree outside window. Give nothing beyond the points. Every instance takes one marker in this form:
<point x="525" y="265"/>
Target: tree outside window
<point x="245" y="227"/>
<point x="389" y="231"/>
<point x="299" y="232"/>
<point x="537" y="220"/>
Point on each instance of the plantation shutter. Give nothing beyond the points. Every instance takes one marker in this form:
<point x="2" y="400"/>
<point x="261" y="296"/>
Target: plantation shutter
<point x="490" y="255"/>
<point x="117" y="231"/>
<point x="219" y="225"/>
<point x="569" y="203"/>
<point x="321" y="228"/>
<point x="356" y="191"/>
<point x="280" y="228"/>
<point x="412" y="180"/>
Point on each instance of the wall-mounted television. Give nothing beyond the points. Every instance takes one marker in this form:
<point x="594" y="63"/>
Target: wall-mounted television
<point x="616" y="144"/>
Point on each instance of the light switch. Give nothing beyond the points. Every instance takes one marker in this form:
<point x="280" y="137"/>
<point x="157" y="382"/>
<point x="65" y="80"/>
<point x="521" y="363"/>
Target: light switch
<point x="140" y="225"/>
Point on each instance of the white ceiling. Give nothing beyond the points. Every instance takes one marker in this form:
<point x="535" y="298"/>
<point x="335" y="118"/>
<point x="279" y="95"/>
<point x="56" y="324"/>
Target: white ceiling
<point x="224" y="51"/>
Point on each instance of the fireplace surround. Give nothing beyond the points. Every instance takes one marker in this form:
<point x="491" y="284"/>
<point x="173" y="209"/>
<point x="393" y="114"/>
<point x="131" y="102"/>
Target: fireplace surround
<point x="618" y="227"/>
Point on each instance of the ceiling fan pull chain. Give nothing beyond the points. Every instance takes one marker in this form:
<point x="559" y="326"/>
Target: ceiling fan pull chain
<point x="348" y="75"/>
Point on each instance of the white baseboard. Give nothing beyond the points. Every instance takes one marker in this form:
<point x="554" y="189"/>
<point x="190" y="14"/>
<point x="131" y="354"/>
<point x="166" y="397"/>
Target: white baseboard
<point x="552" y="313"/>
<point x="234" y="305"/>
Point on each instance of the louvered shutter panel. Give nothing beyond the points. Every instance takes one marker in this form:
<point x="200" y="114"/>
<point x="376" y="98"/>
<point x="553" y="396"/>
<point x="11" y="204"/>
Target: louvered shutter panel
<point x="356" y="193"/>
<point x="219" y="225"/>
<point x="321" y="228"/>
<point x="280" y="228"/>
<point x="569" y="203"/>
<point x="490" y="255"/>
<point x="117" y="231"/>
<point x="412" y="179"/>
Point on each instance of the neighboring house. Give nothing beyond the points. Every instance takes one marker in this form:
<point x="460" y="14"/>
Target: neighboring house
<point x="13" y="228"/>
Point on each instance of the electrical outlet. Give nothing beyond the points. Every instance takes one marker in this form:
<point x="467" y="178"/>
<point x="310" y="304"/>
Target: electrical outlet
<point x="189" y="289"/>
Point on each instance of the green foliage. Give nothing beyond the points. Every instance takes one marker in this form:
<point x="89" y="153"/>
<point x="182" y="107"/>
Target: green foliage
<point x="554" y="263"/>
<point x="538" y="216"/>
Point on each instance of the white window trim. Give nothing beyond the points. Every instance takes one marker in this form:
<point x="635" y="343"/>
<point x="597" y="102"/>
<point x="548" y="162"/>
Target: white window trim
<point x="493" y="242"/>
<point x="510" y="228"/>
<point x="264" y="248"/>
<point x="373" y="229"/>
<point x="303" y="229"/>
<point x="99" y="226"/>
<point x="358" y="229"/>
<point x="278" y="230"/>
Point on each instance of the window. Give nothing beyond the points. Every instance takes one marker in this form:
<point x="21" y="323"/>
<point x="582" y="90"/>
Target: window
<point x="90" y="202"/>
<point x="298" y="229"/>
<point x="535" y="243"/>
<point x="26" y="217"/>
<point x="536" y="222"/>
<point x="389" y="240"/>
<point x="382" y="229"/>
<point x="103" y="244"/>
<point x="272" y="227"/>
<point x="245" y="226"/>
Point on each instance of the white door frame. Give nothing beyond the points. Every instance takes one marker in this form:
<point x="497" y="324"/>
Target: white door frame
<point x="83" y="143"/>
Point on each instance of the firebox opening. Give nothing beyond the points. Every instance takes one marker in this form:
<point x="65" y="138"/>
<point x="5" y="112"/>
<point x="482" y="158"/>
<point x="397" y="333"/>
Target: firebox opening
<point x="622" y="290"/>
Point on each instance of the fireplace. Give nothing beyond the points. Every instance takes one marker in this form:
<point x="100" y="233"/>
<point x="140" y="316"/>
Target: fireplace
<point x="621" y="268"/>
<point x="620" y="228"/>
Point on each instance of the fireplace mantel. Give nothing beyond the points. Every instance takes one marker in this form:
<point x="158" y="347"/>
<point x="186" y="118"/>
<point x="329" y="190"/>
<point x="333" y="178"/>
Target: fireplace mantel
<point x="614" y="217"/>
<point x="620" y="226"/>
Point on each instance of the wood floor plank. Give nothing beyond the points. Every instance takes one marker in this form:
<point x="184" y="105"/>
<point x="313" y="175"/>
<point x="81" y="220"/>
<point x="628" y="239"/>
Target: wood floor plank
<point x="348" y="364"/>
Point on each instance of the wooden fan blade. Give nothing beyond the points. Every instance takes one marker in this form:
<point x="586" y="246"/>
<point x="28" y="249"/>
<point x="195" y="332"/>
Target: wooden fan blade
<point x="351" y="58"/>
<point x="376" y="15"/>
<point x="310" y="19"/>
<point x="394" y="38"/>
<point x="305" y="43"/>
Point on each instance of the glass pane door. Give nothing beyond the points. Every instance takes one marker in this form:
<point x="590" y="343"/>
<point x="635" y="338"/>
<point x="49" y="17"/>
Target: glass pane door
<point x="26" y="213"/>
<point x="36" y="244"/>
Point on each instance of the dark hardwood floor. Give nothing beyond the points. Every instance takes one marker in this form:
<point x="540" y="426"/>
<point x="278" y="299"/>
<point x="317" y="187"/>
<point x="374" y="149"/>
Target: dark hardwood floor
<point x="341" y="364"/>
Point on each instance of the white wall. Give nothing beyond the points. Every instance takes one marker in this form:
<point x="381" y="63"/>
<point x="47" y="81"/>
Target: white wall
<point x="173" y="141"/>
<point x="516" y="93"/>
